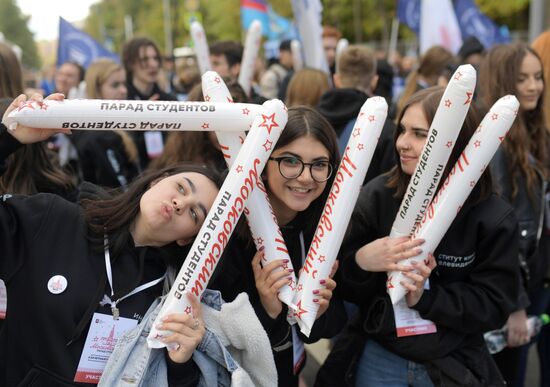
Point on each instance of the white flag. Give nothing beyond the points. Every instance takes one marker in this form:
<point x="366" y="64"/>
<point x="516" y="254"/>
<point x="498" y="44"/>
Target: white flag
<point x="439" y="26"/>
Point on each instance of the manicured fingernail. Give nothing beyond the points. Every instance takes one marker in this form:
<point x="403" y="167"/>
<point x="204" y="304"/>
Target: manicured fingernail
<point x="315" y="300"/>
<point x="316" y="291"/>
<point x="261" y="248"/>
<point x="290" y="270"/>
<point x="414" y="263"/>
<point x="285" y="260"/>
<point x="322" y="282"/>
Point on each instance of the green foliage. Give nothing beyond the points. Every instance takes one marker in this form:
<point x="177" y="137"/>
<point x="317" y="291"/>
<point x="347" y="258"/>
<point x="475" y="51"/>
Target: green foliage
<point x="359" y="20"/>
<point x="14" y="26"/>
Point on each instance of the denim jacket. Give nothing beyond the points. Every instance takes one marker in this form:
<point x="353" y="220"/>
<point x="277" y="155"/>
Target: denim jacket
<point x="133" y="363"/>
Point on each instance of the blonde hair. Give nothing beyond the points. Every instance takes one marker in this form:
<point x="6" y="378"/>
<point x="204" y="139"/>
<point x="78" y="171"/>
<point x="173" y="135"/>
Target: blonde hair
<point x="97" y="74"/>
<point x="306" y="87"/>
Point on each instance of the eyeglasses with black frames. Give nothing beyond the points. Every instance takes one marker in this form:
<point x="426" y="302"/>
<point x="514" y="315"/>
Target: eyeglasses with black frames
<point x="291" y="167"/>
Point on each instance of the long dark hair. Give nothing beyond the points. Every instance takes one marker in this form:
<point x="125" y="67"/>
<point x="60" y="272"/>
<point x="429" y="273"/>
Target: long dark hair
<point x="428" y="99"/>
<point x="113" y="213"/>
<point x="498" y="77"/>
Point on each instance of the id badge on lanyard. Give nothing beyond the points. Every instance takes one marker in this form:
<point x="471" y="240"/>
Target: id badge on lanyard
<point x="105" y="330"/>
<point x="408" y="321"/>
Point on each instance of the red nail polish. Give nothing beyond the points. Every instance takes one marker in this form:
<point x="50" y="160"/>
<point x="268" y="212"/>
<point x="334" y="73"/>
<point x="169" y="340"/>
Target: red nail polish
<point x="290" y="270"/>
<point x="315" y="300"/>
<point x="322" y="282"/>
<point x="316" y="291"/>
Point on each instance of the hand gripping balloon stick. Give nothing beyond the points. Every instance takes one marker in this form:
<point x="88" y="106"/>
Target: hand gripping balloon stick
<point x="458" y="184"/>
<point x="250" y="54"/>
<point x="442" y="135"/>
<point x="259" y="214"/>
<point x="223" y="216"/>
<point x="338" y="209"/>
<point x="201" y="47"/>
<point x="97" y="114"/>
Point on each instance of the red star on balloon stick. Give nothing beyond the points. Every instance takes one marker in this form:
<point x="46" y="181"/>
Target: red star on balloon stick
<point x="458" y="76"/>
<point x="357" y="132"/>
<point x="246" y="111"/>
<point x="205" y="125"/>
<point x="448" y="103"/>
<point x="300" y="311"/>
<point x="389" y="284"/>
<point x="229" y="99"/>
<point x="494" y="116"/>
<point x="501" y="138"/>
<point x="322" y="258"/>
<point x="360" y="146"/>
<point x="217" y="80"/>
<point x="477" y="144"/>
<point x="468" y="98"/>
<point x="267" y="145"/>
<point x="28" y="104"/>
<point x="239" y="169"/>
<point x="260" y="241"/>
<point x="207" y="98"/>
<point x="44" y="106"/>
<point x="472" y="183"/>
<point x="371" y="118"/>
<point x="269" y="122"/>
<point x="188" y="309"/>
<point x="449" y="144"/>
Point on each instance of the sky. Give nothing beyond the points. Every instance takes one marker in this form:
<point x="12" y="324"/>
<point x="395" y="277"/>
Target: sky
<point x="44" y="22"/>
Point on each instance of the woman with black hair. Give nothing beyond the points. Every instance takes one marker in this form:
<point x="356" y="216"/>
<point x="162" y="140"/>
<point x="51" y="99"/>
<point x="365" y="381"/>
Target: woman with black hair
<point x="298" y="177"/>
<point x="69" y="267"/>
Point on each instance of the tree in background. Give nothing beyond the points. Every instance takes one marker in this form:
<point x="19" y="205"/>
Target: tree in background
<point x="359" y="20"/>
<point x="14" y="26"/>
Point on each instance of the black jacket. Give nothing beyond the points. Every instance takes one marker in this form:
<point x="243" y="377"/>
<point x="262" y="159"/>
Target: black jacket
<point x="102" y="158"/>
<point x="532" y="234"/>
<point x="472" y="290"/>
<point x="43" y="335"/>
<point x="339" y="107"/>
<point x="234" y="275"/>
<point x="139" y="136"/>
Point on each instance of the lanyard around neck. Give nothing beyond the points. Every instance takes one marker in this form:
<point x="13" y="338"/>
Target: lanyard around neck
<point x="106" y="298"/>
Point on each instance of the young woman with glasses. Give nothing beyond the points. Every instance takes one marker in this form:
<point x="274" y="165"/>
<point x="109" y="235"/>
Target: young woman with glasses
<point x="298" y="177"/>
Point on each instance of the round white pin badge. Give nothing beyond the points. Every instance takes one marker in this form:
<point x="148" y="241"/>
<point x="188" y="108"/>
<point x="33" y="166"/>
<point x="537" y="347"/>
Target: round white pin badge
<point x="57" y="284"/>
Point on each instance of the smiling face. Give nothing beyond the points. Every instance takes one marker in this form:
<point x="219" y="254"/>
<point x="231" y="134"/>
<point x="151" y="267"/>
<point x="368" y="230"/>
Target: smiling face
<point x="413" y="131"/>
<point x="173" y="209"/>
<point x="114" y="86"/>
<point x="530" y="83"/>
<point x="290" y="196"/>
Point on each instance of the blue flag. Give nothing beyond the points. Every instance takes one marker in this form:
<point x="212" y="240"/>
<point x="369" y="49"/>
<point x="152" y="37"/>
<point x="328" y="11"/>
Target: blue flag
<point x="75" y="45"/>
<point x="408" y="13"/>
<point x="255" y="10"/>
<point x="470" y="20"/>
<point x="474" y="23"/>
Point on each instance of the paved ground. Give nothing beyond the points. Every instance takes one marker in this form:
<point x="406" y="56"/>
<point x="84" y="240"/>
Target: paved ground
<point x="318" y="352"/>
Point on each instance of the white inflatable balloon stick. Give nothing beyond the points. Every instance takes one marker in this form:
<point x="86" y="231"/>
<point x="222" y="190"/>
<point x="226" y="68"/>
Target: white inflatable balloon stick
<point x="338" y="209"/>
<point x="201" y="47"/>
<point x="259" y="214"/>
<point x="222" y="218"/>
<point x="250" y="54"/>
<point x="459" y="183"/>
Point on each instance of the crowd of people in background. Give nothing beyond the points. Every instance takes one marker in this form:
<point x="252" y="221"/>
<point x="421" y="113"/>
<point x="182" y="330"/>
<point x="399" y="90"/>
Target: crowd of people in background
<point x="71" y="199"/>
